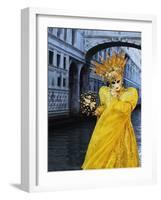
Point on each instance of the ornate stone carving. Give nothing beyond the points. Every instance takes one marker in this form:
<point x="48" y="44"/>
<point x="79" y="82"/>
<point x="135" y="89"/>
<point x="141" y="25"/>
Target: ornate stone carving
<point x="58" y="100"/>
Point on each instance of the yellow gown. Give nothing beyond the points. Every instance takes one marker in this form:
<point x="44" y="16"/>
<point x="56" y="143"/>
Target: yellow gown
<point x="113" y="143"/>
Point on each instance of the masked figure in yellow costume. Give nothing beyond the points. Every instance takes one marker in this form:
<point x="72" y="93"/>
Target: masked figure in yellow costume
<point x="113" y="143"/>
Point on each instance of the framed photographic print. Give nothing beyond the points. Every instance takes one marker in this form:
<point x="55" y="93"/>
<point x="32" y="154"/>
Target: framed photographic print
<point x="86" y="108"/>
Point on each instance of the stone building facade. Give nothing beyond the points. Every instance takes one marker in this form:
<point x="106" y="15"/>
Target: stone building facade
<point x="69" y="73"/>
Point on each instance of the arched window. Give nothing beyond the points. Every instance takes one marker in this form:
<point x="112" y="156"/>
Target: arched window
<point x="59" y="81"/>
<point x="64" y="82"/>
<point x="64" y="63"/>
<point x="50" y="57"/>
<point x="58" y="60"/>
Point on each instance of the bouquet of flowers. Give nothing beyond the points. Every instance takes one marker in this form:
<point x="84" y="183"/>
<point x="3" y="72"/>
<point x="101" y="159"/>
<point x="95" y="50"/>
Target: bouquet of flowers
<point x="88" y="103"/>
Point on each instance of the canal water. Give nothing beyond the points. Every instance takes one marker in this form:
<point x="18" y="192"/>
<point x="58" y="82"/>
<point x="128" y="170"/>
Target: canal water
<point x="67" y="143"/>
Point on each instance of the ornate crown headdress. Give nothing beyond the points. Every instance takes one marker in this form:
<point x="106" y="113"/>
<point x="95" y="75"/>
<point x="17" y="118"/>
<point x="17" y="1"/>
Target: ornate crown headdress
<point x="112" y="67"/>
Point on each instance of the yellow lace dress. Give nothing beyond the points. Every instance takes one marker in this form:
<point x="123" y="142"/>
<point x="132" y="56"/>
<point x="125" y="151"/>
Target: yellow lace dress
<point x="113" y="143"/>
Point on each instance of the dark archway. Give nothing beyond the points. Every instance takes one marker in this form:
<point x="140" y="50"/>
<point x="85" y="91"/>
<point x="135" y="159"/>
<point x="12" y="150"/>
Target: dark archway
<point x="106" y="45"/>
<point x="73" y="85"/>
<point x="84" y="79"/>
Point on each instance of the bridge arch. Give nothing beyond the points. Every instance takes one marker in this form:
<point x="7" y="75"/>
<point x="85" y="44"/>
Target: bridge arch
<point x="106" y="45"/>
<point x="95" y="49"/>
